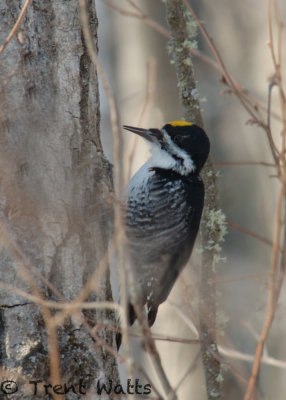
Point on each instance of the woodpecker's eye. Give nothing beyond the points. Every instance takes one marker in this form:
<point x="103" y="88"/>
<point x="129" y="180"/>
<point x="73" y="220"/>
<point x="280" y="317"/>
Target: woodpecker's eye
<point x="177" y="139"/>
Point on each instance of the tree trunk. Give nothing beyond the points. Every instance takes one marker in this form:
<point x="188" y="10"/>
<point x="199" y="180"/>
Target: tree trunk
<point x="55" y="203"/>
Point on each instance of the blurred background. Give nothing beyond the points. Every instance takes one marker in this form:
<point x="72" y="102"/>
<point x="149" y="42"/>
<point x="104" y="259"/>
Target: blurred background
<point x="135" y="58"/>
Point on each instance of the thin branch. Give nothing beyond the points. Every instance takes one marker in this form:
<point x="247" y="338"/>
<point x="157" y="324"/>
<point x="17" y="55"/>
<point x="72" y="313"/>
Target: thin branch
<point x="121" y="359"/>
<point x="236" y="90"/>
<point x="149" y="95"/>
<point x="268" y="128"/>
<point x="238" y="355"/>
<point x="258" y="104"/>
<point x="230" y="353"/>
<point x="16" y="26"/>
<point x="270" y="87"/>
<point x="119" y="234"/>
<point x="217" y="55"/>
<point x="280" y="32"/>
<point x="92" y="284"/>
<point x="119" y="228"/>
<point x="189" y="371"/>
<point x="23" y="264"/>
<point x="246" y="277"/>
<point x="70" y="306"/>
<point x="279" y="80"/>
<point x="150" y="347"/>
<point x="141" y="15"/>
<point x="277" y="273"/>
<point x="270" y="32"/>
<point x="272" y="301"/>
<point x="150" y="88"/>
<point x="250" y="233"/>
<point x="243" y="163"/>
<point x="122" y="10"/>
<point x="9" y="78"/>
<point x="195" y="52"/>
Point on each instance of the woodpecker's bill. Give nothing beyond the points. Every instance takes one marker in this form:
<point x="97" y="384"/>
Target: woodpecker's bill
<point x="163" y="211"/>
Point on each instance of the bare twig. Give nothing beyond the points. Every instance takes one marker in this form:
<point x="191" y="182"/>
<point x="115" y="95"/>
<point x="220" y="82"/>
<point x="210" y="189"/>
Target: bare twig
<point x="119" y="228"/>
<point x="243" y="278"/>
<point x="91" y="286"/>
<point x="141" y="15"/>
<point x="233" y="86"/>
<point x="230" y="353"/>
<point x="270" y="87"/>
<point x="277" y="269"/>
<point x="243" y="163"/>
<point x="248" y="97"/>
<point x="16" y="26"/>
<point x="23" y="268"/>
<point x="150" y="89"/>
<point x="237" y="90"/>
<point x="249" y="233"/>
<point x="118" y="181"/>
<point x="189" y="371"/>
<point x="272" y="301"/>
<point x="122" y="359"/>
<point x="268" y="128"/>
<point x="217" y="55"/>
<point x="8" y="80"/>
<point x="69" y="306"/>
<point x="150" y="347"/>
<point x="119" y="233"/>
<point x="270" y="33"/>
<point x="238" y="355"/>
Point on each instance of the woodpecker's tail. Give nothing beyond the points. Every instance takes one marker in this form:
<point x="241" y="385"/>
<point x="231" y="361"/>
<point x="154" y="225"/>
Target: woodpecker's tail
<point x="131" y="319"/>
<point x="118" y="340"/>
<point x="152" y="313"/>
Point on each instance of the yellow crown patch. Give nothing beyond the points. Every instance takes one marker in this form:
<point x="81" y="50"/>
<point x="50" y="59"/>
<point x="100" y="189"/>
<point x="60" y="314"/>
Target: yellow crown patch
<point x="180" y="123"/>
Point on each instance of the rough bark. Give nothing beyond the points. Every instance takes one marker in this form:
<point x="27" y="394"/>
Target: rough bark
<point x="55" y="186"/>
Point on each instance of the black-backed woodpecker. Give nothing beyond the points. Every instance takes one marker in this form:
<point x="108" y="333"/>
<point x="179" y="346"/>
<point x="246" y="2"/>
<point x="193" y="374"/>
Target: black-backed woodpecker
<point x="163" y="211"/>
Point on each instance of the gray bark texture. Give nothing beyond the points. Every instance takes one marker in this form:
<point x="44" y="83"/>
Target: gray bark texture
<point x="55" y="195"/>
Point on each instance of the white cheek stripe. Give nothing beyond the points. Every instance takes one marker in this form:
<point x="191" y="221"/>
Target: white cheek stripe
<point x="187" y="160"/>
<point x="162" y="159"/>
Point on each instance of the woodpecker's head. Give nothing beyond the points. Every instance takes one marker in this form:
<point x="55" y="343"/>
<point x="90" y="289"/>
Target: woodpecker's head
<point x="179" y="146"/>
